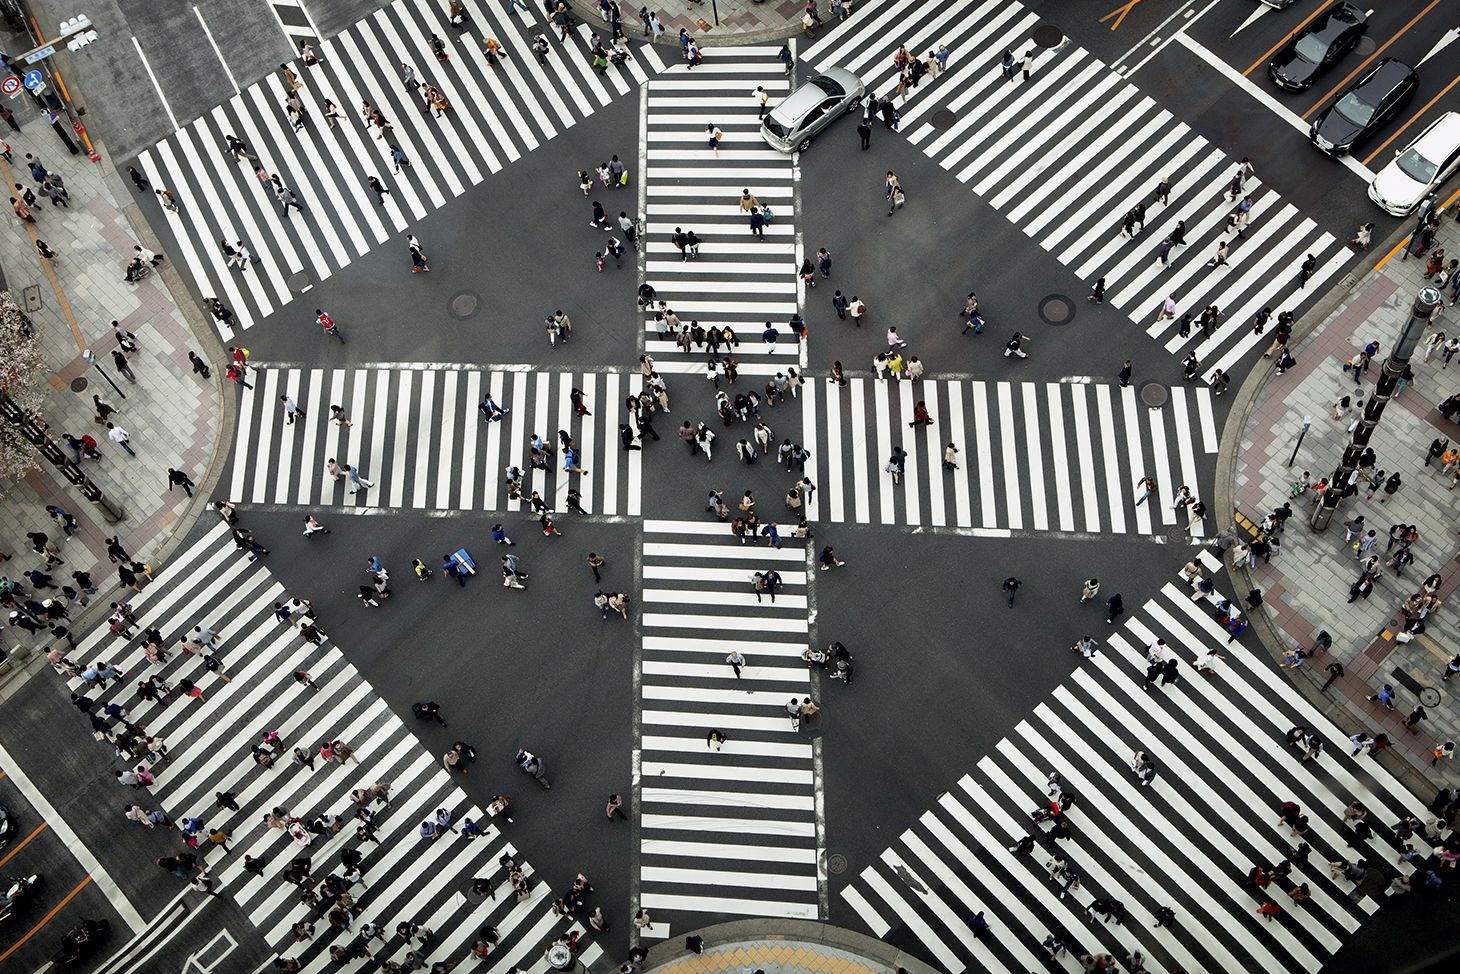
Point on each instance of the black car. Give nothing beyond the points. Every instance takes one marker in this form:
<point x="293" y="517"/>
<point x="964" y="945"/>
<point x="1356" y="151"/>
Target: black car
<point x="1367" y="104"/>
<point x="1318" y="46"/>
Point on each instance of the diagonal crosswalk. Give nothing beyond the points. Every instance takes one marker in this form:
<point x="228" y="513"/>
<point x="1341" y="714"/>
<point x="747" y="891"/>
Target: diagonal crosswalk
<point x="736" y="829"/>
<point x="1065" y="155"/>
<point x="1043" y="456"/>
<point x="1186" y="841"/>
<point x="420" y="435"/>
<point x="499" y="112"/>
<point x="737" y="281"/>
<point x="210" y="583"/>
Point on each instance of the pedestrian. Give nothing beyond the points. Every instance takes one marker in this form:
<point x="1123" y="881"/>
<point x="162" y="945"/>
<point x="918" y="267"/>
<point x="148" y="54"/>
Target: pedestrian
<point x="1010" y="587"/>
<point x="1114" y="608"/>
<point x="1124" y="374"/>
<point x="176" y="478"/>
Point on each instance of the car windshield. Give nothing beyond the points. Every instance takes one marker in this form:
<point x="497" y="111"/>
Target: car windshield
<point x="829" y="86"/>
<point x="1355" y="109"/>
<point x="774" y="127"/>
<point x="1310" y="48"/>
<point x="1415" y="166"/>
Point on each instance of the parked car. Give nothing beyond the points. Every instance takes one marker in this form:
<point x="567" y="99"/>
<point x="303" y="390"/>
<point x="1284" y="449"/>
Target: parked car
<point x="805" y="112"/>
<point x="1419" y="168"/>
<point x="1364" y="107"/>
<point x="5" y="827"/>
<point x="1317" y="47"/>
<point x="1280" y="4"/>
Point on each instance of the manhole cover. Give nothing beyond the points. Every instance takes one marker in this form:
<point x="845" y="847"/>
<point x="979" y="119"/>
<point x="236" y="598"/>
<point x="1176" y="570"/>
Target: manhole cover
<point x="1430" y="697"/>
<point x="1048" y="35"/>
<point x="836" y="864"/>
<point x="1365" y="46"/>
<point x="79" y="384"/>
<point x="1056" y="309"/>
<point x="463" y="305"/>
<point x="943" y="119"/>
<point x="1176" y="536"/>
<point x="300" y="282"/>
<point x="1154" y="394"/>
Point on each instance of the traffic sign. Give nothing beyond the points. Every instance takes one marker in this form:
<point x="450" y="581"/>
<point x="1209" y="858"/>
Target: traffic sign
<point x="32" y="79"/>
<point x="10" y="85"/>
<point x="40" y="54"/>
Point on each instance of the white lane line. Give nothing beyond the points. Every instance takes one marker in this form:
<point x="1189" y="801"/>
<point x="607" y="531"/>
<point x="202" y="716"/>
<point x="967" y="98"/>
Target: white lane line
<point x="202" y="23"/>
<point x="157" y="87"/>
<point x="73" y="842"/>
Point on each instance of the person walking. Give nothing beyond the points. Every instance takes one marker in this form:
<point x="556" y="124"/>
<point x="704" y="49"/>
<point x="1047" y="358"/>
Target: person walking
<point x="176" y="478"/>
<point x="1010" y="587"/>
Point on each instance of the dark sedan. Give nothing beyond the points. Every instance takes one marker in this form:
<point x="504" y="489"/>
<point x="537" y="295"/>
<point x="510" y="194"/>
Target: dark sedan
<point x="1318" y="46"/>
<point x="1367" y="104"/>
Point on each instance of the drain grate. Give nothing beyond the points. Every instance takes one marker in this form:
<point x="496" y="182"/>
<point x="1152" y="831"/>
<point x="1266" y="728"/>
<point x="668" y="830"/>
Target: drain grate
<point x="836" y="864"/>
<point x="1056" y="309"/>
<point x="463" y="305"/>
<point x="1048" y="36"/>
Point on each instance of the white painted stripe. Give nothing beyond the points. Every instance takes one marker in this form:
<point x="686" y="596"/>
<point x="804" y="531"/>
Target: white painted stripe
<point x="858" y="426"/>
<point x="1059" y="456"/>
<point x="809" y="431"/>
<point x="959" y="437"/>
<point x="425" y="423"/>
<point x="933" y="449"/>
<point x="1138" y="468"/>
<point x="1208" y="424"/>
<point x="727" y="799"/>
<point x="471" y="434"/>
<point x="727" y="877"/>
<point x="1035" y="454"/>
<point x="737" y="826"/>
<point x="729" y="905"/>
<point x="982" y="450"/>
<point x="1009" y="439"/>
<point x="865" y="910"/>
<point x="1110" y="450"/>
<point x="397" y="468"/>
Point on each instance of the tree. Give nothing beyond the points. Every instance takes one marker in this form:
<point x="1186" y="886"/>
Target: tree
<point x="24" y="376"/>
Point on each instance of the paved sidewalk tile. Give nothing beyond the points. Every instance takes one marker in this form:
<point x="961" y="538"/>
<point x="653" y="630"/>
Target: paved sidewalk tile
<point x="171" y="413"/>
<point x="1306" y="587"/>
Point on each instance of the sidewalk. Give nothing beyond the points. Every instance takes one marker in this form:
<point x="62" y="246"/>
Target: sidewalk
<point x="777" y="946"/>
<point x="175" y="418"/>
<point x="741" y="21"/>
<point x="1306" y="587"/>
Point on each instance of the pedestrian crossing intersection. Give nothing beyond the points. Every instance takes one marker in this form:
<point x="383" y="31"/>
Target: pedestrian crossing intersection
<point x="1186" y="842"/>
<point x="733" y="830"/>
<point x="1042" y="456"/>
<point x="737" y="281"/>
<point x="419" y="434"/>
<point x="1065" y="155"/>
<point x="499" y="113"/>
<point x="210" y="583"/>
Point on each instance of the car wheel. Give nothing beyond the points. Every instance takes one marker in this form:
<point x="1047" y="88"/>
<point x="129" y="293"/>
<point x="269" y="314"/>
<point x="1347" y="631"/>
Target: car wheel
<point x="854" y="106"/>
<point x="804" y="144"/>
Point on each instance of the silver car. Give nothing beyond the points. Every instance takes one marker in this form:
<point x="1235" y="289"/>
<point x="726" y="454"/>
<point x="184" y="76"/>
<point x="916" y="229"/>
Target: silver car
<point x="801" y="115"/>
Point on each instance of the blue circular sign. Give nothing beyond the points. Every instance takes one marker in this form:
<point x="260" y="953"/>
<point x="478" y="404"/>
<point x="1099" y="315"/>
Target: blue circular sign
<point x="32" y="79"/>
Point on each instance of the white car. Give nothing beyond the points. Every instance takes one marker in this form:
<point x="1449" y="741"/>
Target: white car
<point x="1419" y="168"/>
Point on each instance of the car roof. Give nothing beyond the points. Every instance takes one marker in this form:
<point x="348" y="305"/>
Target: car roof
<point x="795" y="105"/>
<point x="1442" y="135"/>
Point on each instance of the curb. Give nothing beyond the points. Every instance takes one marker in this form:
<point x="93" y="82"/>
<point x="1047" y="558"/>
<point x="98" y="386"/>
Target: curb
<point x="1230" y="445"/>
<point x="792" y="931"/>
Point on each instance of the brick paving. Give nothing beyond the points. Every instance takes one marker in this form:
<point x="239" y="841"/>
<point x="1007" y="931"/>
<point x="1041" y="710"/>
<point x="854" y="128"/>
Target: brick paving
<point x="174" y="416"/>
<point x="1306" y="587"/>
<point x="741" y="21"/>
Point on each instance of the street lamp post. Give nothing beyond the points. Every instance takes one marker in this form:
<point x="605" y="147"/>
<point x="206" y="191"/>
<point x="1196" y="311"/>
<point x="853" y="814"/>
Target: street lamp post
<point x="1426" y="306"/>
<point x="90" y="356"/>
<point x="1307" y="422"/>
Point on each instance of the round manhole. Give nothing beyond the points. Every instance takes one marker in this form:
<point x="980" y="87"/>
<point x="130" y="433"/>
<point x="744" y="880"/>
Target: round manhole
<point x="1056" y="309"/>
<point x="463" y="305"/>
<point x="1048" y="35"/>
<point x="943" y="119"/>
<point x="299" y="282"/>
<point x="836" y="863"/>
<point x="79" y="384"/>
<point x="1176" y="536"/>
<point x="1154" y="394"/>
<point x="1430" y="697"/>
<point x="1365" y="46"/>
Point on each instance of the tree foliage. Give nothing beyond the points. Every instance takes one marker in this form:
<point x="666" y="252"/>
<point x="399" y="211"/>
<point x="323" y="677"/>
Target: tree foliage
<point x="23" y="377"/>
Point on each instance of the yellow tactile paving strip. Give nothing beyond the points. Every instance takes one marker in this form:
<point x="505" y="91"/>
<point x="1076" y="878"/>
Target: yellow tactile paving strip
<point x="774" y="957"/>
